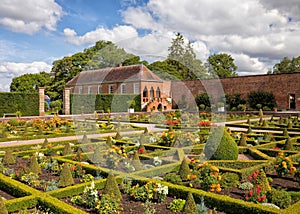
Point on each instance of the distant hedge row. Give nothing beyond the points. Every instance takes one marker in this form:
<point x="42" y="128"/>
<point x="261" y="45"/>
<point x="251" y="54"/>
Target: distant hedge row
<point x="88" y="103"/>
<point x="26" y="103"/>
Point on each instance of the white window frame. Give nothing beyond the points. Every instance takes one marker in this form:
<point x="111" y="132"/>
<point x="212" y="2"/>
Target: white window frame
<point x="111" y="89"/>
<point x="89" y="89"/>
<point x="123" y="89"/>
<point x="99" y="89"/>
<point x="136" y="87"/>
<point x="80" y="90"/>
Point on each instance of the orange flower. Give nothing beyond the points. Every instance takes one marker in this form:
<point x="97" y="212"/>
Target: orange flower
<point x="194" y="176"/>
<point x="188" y="177"/>
<point x="219" y="178"/>
<point x="218" y="189"/>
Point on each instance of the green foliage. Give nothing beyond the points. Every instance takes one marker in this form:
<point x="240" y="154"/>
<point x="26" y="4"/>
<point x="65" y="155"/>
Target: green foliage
<point x="221" y="65"/>
<point x="109" y="141"/>
<point x="34" y="166"/>
<point x="111" y="188"/>
<point x="108" y="205"/>
<point x="280" y="198"/>
<point x="118" y="136"/>
<point x="242" y="141"/>
<point x="177" y="205"/>
<point x="287" y="65"/>
<point x="261" y="97"/>
<point x="184" y="169"/>
<point x="9" y="158"/>
<point x="220" y="145"/>
<point x="27" y="103"/>
<point x="136" y="162"/>
<point x="173" y="178"/>
<point x="65" y="177"/>
<point x="67" y="149"/>
<point x="3" y="209"/>
<point x="87" y="103"/>
<point x="229" y="179"/>
<point x="149" y="208"/>
<point x="234" y="101"/>
<point x="203" y="99"/>
<point x="190" y="206"/>
<point x="45" y="143"/>
<point x="288" y="145"/>
<point x="262" y="181"/>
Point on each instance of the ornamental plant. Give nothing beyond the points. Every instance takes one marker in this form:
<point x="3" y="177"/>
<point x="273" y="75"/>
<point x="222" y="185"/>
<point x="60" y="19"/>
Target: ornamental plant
<point x="65" y="177"/>
<point x="207" y="175"/>
<point x="256" y="195"/>
<point x="190" y="204"/>
<point x="3" y="209"/>
<point x="283" y="165"/>
<point x="67" y="149"/>
<point x="8" y="158"/>
<point x="34" y="166"/>
<point x="168" y="138"/>
<point x="177" y="205"/>
<point x="111" y="188"/>
<point x="184" y="169"/>
<point x="91" y="195"/>
<point x="114" y="156"/>
<point x="108" y="205"/>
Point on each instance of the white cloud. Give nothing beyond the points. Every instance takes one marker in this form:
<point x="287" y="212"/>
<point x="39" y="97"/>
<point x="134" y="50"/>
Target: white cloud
<point x="9" y="70"/>
<point x="116" y="34"/>
<point x="29" y="16"/>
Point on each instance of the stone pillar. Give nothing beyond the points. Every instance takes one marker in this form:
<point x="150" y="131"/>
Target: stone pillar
<point x="41" y="101"/>
<point x="66" y="101"/>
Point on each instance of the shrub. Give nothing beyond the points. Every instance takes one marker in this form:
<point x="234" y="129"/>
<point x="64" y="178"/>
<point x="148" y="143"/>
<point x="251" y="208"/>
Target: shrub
<point x="246" y="185"/>
<point x="285" y="132"/>
<point x="118" y="136"/>
<point x="203" y="99"/>
<point x="109" y="141"/>
<point x="108" y="205"/>
<point x="261" y="97"/>
<point x="45" y="143"/>
<point x="220" y="145"/>
<point x="176" y="205"/>
<point x="288" y="145"/>
<point x="284" y="165"/>
<point x="85" y="139"/>
<point x="242" y="141"/>
<point x="34" y="166"/>
<point x="229" y="179"/>
<point x="8" y="158"/>
<point x="173" y="178"/>
<point x="184" y="169"/>
<point x="67" y="149"/>
<point x="136" y="162"/>
<point x="280" y="198"/>
<point x="65" y="177"/>
<point x="111" y="188"/>
<point x="3" y="209"/>
<point x="190" y="206"/>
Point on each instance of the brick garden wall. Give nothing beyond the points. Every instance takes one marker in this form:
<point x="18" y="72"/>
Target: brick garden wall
<point x="281" y="85"/>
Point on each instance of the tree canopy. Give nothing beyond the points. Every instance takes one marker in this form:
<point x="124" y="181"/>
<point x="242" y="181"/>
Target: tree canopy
<point x="221" y="65"/>
<point x="287" y="65"/>
<point x="29" y="83"/>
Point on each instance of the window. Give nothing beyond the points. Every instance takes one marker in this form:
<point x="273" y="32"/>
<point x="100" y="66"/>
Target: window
<point x="111" y="89"/>
<point x="158" y="92"/>
<point x="80" y="90"/>
<point x="151" y="93"/>
<point x="123" y="89"/>
<point x="145" y="92"/>
<point x="99" y="89"/>
<point x="136" y="87"/>
<point x="89" y="89"/>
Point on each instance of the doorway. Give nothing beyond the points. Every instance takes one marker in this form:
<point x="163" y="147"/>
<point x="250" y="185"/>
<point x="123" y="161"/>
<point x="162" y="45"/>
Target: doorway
<point x="292" y="101"/>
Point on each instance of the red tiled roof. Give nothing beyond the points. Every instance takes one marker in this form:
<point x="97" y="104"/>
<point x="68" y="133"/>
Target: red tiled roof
<point x="115" y="74"/>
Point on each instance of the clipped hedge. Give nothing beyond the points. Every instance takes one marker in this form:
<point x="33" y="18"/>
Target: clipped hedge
<point x="88" y="103"/>
<point x="19" y="204"/>
<point x="27" y="103"/>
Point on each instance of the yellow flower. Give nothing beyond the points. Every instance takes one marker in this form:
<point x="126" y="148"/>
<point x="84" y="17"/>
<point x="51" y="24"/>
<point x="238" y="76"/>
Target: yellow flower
<point x="214" y="168"/>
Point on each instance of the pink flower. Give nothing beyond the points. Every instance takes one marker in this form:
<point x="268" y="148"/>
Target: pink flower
<point x="251" y="193"/>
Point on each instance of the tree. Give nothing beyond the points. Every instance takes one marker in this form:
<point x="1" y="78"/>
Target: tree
<point x="221" y="65"/>
<point x="28" y="83"/>
<point x="183" y="58"/>
<point x="287" y="65"/>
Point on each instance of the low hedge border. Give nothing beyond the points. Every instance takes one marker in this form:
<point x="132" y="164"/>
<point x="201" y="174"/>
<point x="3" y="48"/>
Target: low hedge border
<point x="18" y="204"/>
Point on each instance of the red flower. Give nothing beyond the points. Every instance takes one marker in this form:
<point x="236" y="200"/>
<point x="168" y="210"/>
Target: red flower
<point x="251" y="193"/>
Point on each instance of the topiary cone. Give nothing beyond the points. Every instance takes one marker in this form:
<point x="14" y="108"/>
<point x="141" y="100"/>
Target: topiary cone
<point x="85" y="139"/>
<point x="109" y="141"/>
<point x="262" y="181"/>
<point x="249" y="131"/>
<point x="243" y="141"/>
<point x="67" y="149"/>
<point x="9" y="158"/>
<point x="136" y="162"/>
<point x="118" y="136"/>
<point x="111" y="188"/>
<point x="184" y="169"/>
<point x="65" y="177"/>
<point x="190" y="206"/>
<point x="34" y="166"/>
<point x="285" y="132"/>
<point x="3" y="209"/>
<point x="45" y="143"/>
<point x="288" y="144"/>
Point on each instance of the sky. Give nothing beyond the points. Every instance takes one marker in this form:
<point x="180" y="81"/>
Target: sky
<point x="256" y="33"/>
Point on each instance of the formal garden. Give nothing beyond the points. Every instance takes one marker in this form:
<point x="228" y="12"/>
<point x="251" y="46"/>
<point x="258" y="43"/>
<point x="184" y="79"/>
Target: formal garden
<point x="190" y="164"/>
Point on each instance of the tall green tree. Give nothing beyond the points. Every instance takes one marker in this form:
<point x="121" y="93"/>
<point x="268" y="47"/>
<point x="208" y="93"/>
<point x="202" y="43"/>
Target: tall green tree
<point x="221" y="65"/>
<point x="183" y="57"/>
<point x="29" y="83"/>
<point x="287" y="65"/>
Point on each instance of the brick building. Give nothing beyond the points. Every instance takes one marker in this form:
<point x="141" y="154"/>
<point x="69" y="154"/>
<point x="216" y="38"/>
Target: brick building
<point x="134" y="79"/>
<point x="158" y="94"/>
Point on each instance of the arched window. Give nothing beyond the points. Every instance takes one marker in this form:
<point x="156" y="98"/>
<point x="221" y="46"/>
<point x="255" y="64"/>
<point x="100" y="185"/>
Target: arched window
<point x="145" y="92"/>
<point x="151" y="93"/>
<point x="158" y="92"/>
